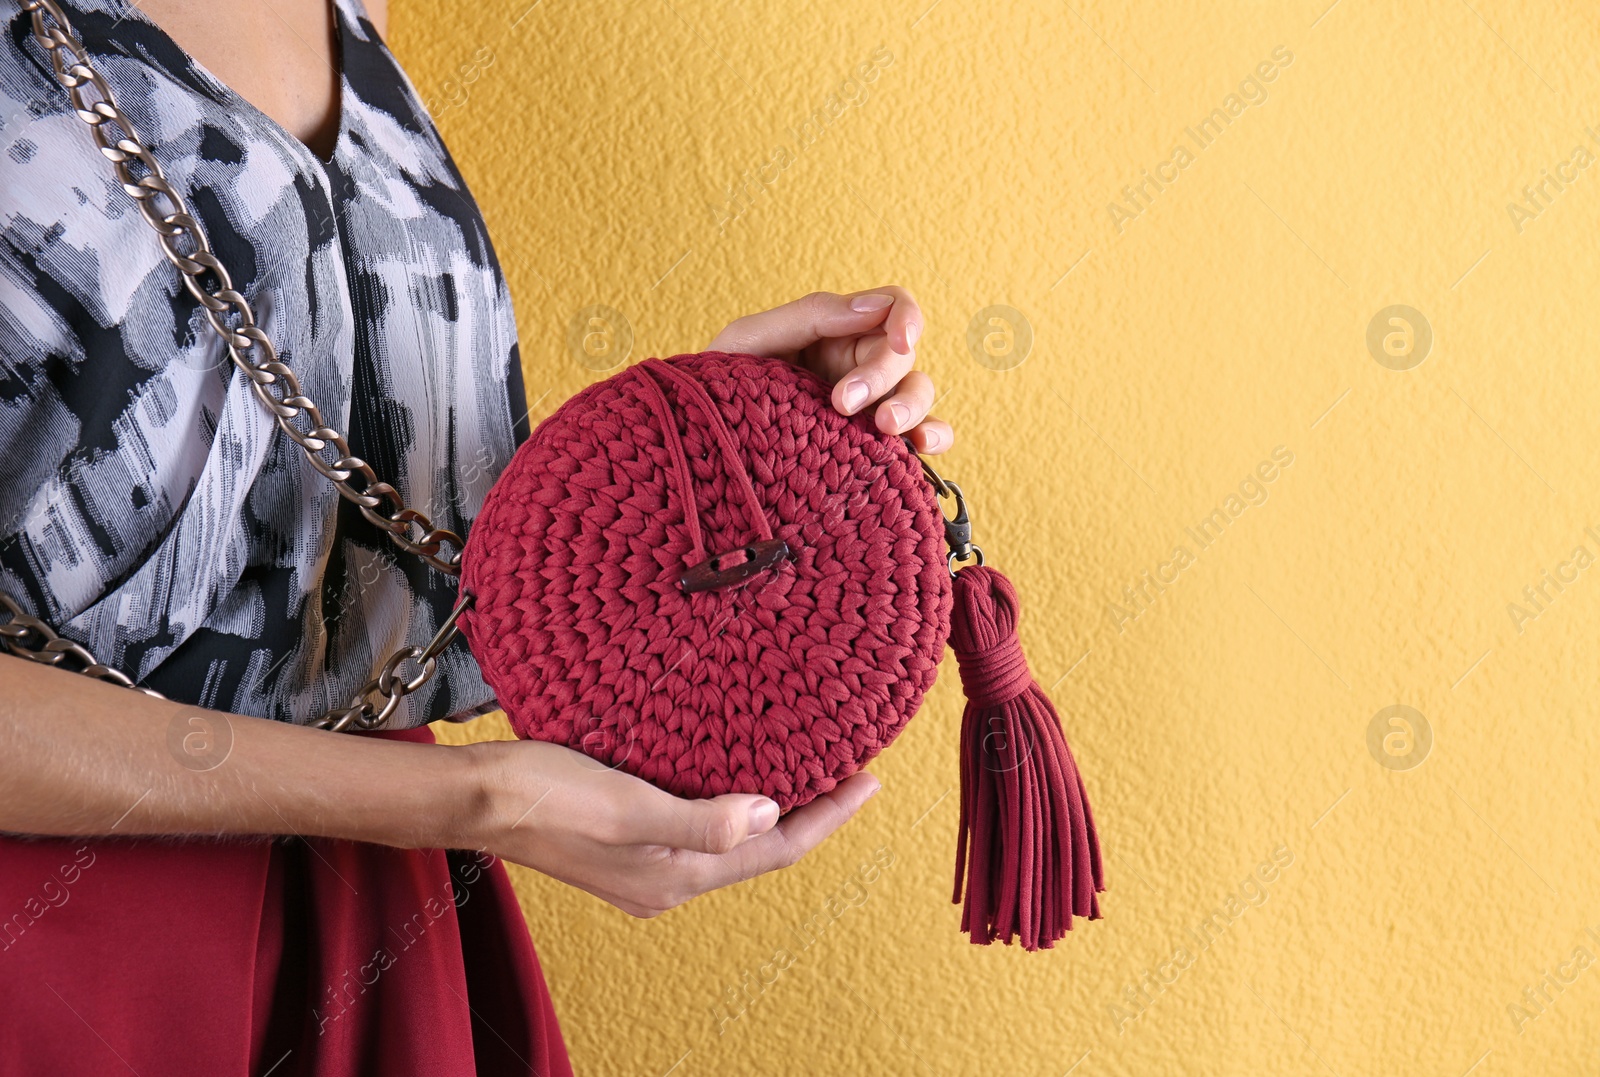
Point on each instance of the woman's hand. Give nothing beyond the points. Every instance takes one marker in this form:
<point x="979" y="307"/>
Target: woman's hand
<point x="863" y="343"/>
<point x="627" y="842"/>
<point x="79" y="756"/>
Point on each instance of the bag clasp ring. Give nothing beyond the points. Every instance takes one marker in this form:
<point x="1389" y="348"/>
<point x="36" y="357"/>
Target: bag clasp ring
<point x="958" y="532"/>
<point x="957" y="528"/>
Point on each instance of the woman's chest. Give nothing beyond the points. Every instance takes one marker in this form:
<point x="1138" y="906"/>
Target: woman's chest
<point x="282" y="57"/>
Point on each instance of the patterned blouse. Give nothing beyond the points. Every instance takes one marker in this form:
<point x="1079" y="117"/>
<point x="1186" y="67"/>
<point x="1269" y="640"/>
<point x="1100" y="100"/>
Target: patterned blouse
<point x="149" y="507"/>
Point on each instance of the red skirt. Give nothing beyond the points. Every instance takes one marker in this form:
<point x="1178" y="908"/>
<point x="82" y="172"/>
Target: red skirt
<point x="290" y="957"/>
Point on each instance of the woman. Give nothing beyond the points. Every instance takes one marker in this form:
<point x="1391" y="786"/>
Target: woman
<point x="150" y="511"/>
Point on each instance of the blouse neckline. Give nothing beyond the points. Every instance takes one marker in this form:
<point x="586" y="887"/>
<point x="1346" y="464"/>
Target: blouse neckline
<point x="128" y="10"/>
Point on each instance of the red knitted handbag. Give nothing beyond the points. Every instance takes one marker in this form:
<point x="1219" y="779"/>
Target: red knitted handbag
<point x="700" y="573"/>
<point x="696" y="571"/>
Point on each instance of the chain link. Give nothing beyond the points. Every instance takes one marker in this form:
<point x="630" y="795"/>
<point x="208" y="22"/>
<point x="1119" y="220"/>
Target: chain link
<point x="28" y="637"/>
<point x="378" y="699"/>
<point x="229" y="313"/>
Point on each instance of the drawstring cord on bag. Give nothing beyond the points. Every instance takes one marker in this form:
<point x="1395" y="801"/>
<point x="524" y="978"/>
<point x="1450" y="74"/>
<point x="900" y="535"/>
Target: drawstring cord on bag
<point x="703" y="573"/>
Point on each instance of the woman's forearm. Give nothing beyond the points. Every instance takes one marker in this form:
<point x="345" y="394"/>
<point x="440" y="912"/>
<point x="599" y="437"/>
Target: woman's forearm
<point x="79" y="757"/>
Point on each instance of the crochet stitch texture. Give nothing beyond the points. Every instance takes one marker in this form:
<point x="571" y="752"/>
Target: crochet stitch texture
<point x="782" y="685"/>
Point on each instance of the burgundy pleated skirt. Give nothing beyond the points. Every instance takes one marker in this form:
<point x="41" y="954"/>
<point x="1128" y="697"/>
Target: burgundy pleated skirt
<point x="297" y="957"/>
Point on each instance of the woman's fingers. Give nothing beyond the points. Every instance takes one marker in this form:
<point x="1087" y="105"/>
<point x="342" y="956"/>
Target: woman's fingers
<point x="932" y="436"/>
<point x="903" y="324"/>
<point x="634" y="845"/>
<point x="786" y="330"/>
<point x="904" y="395"/>
<point x="907" y="405"/>
<point x="672" y="850"/>
<point x="864" y="342"/>
<point x="878" y="370"/>
<point x="795" y="835"/>
<point x="716" y="825"/>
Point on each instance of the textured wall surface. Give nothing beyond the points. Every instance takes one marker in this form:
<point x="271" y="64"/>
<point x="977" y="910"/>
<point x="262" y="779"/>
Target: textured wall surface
<point x="1301" y="880"/>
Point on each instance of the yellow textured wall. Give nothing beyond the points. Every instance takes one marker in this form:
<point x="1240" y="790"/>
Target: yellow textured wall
<point x="1432" y="918"/>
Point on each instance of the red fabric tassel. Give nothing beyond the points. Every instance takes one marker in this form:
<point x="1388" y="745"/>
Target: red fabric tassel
<point x="1027" y="846"/>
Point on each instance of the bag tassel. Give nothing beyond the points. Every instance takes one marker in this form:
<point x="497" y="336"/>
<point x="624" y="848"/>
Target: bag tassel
<point x="1027" y="844"/>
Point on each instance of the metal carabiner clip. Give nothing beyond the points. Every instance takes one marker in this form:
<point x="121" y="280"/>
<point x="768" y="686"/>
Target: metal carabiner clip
<point x="957" y="528"/>
<point x="958" y="532"/>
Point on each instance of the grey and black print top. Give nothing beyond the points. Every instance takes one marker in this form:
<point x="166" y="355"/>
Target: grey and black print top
<point x="149" y="507"/>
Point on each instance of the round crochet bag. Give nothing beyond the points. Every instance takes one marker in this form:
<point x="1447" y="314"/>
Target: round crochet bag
<point x="698" y="572"/>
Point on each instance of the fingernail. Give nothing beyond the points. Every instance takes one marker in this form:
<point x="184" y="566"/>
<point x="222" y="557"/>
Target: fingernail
<point x="913" y="332"/>
<point x="877" y="785"/>
<point x="855" y="395"/>
<point x="934" y="439"/>
<point x="901" y="415"/>
<point x="865" y="303"/>
<point x="763" y="814"/>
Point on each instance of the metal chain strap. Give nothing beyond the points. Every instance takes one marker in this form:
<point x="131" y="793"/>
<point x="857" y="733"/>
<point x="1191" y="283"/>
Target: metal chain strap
<point x="376" y="702"/>
<point x="184" y="243"/>
<point x="28" y="637"/>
